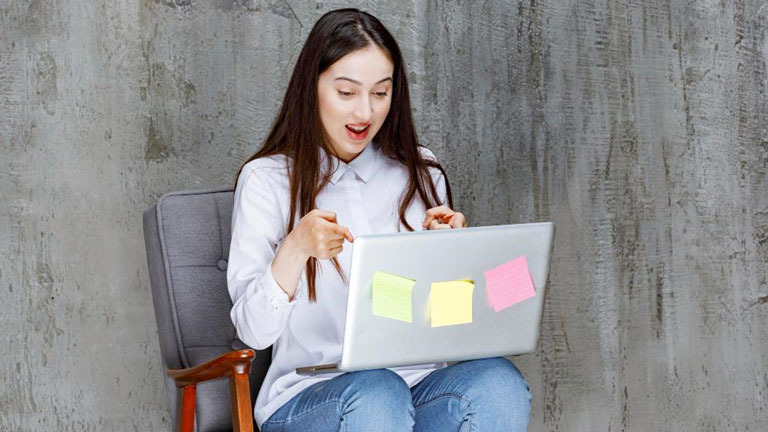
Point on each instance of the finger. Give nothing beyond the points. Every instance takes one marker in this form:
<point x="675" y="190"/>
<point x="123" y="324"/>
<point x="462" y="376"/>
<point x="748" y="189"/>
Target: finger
<point x="439" y="212"/>
<point x="335" y="230"/>
<point x="327" y="215"/>
<point x="335" y="251"/>
<point x="344" y="232"/>
<point x="336" y="242"/>
<point x="457" y="221"/>
<point x="436" y="225"/>
<point x="439" y="218"/>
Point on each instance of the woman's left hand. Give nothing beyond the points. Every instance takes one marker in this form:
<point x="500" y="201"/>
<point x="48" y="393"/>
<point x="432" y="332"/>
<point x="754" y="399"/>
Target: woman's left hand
<point x="442" y="217"/>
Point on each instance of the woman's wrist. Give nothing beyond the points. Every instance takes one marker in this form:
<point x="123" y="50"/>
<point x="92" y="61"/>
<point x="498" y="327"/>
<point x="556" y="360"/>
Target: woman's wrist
<point x="293" y="250"/>
<point x="288" y="265"/>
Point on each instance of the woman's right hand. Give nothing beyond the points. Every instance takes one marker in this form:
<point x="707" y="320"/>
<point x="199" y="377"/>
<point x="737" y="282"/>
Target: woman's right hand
<point x="319" y="235"/>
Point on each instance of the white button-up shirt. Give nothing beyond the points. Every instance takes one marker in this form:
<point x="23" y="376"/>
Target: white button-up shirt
<point x="365" y="195"/>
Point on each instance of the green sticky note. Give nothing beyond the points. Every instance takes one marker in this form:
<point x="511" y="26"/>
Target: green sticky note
<point x="450" y="303"/>
<point x="392" y="296"/>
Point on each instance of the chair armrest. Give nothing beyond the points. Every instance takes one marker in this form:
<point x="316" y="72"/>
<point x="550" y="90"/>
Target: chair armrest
<point x="227" y="365"/>
<point x="235" y="365"/>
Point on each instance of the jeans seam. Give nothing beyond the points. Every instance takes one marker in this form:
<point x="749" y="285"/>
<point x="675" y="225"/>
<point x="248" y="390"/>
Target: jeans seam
<point x="301" y="414"/>
<point x="460" y="397"/>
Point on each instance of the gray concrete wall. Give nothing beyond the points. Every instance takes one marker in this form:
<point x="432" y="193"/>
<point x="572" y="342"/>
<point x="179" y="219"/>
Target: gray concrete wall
<point x="640" y="128"/>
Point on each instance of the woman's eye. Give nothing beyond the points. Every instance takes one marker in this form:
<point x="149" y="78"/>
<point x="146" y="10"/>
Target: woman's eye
<point x="345" y="94"/>
<point x="381" y="94"/>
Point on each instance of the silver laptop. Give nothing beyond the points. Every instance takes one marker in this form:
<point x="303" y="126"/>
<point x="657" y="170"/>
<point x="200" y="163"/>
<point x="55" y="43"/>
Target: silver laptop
<point x="372" y="341"/>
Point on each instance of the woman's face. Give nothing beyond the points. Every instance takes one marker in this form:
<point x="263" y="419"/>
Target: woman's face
<point x="354" y="95"/>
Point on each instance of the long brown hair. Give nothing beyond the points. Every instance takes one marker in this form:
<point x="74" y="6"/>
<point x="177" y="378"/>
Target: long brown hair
<point x="298" y="133"/>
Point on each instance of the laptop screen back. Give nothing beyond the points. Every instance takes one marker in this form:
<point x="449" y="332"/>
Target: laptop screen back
<point x="372" y="341"/>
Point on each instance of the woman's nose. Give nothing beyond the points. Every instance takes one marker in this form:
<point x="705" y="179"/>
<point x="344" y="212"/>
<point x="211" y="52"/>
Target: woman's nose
<point x="364" y="109"/>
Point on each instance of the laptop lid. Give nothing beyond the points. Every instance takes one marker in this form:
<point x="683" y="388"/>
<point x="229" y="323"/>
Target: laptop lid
<point x="372" y="341"/>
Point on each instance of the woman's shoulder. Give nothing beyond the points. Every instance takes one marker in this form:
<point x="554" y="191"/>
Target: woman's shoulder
<point x="427" y="153"/>
<point x="430" y="155"/>
<point x="268" y="168"/>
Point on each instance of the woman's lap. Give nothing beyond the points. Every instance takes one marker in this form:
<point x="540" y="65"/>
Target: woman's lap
<point x="477" y="395"/>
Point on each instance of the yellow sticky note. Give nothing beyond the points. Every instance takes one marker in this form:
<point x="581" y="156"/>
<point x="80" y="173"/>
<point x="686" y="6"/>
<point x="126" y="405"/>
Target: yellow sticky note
<point x="392" y="296"/>
<point x="451" y="303"/>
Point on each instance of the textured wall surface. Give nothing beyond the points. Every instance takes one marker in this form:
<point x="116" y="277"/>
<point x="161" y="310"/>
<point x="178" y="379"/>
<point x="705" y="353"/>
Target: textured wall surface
<point x="640" y="128"/>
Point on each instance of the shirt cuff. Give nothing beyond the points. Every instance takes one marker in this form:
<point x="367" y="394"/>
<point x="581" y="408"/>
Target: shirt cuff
<point x="277" y="297"/>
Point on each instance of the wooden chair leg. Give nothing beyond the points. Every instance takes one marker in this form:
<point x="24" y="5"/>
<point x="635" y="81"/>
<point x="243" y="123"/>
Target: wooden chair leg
<point x="185" y="413"/>
<point x="240" y="399"/>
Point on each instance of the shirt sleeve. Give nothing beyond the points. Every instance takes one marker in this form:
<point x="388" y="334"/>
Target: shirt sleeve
<point x="260" y="308"/>
<point x="437" y="176"/>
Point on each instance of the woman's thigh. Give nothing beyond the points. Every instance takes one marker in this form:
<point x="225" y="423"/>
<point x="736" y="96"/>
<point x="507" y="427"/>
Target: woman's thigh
<point x="478" y="395"/>
<point x="374" y="400"/>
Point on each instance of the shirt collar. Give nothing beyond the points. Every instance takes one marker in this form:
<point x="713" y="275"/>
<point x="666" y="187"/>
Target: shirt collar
<point x="363" y="165"/>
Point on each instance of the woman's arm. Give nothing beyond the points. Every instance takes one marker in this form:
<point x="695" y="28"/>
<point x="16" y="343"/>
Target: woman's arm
<point x="260" y="307"/>
<point x="316" y="235"/>
<point x="288" y="265"/>
<point x="264" y="271"/>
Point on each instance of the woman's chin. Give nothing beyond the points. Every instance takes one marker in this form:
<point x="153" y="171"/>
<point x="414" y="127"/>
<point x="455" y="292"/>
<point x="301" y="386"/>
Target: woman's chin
<point x="355" y="148"/>
<point x="350" y="152"/>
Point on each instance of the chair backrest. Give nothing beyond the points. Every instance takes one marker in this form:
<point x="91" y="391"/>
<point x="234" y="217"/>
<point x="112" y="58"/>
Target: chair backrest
<point x="187" y="237"/>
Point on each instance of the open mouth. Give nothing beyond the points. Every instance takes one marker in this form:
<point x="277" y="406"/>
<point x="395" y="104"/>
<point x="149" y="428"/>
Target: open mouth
<point x="358" y="132"/>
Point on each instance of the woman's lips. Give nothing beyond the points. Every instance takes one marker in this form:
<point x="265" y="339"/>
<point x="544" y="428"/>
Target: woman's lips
<point x="358" y="136"/>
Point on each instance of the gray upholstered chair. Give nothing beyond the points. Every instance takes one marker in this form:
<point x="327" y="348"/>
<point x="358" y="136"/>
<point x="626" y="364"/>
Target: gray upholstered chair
<point x="187" y="237"/>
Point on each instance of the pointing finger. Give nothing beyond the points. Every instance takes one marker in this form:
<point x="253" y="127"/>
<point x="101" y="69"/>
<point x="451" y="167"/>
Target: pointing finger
<point x="344" y="232"/>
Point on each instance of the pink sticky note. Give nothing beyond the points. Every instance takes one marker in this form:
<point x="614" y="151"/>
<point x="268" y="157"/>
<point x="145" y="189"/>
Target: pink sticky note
<point x="509" y="284"/>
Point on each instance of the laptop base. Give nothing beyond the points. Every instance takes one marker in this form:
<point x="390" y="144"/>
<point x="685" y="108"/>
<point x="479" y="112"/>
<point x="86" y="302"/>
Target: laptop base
<point x="318" y="369"/>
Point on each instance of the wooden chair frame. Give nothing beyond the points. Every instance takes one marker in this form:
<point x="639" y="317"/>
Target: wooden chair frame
<point x="235" y="365"/>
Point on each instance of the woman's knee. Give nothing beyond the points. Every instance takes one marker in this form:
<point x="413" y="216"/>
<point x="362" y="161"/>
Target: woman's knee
<point x="378" y="391"/>
<point x="497" y="381"/>
<point x="497" y="395"/>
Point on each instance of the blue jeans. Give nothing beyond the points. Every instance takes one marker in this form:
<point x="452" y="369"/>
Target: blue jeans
<point x="478" y="395"/>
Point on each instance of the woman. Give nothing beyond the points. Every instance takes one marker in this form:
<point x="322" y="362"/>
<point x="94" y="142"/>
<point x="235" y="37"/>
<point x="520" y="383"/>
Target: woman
<point x="342" y="159"/>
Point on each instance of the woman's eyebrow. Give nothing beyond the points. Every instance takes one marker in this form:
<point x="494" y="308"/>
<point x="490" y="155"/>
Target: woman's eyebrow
<point x="359" y="83"/>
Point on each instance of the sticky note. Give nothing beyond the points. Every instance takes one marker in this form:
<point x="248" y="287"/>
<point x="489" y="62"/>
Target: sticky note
<point x="392" y="296"/>
<point x="450" y="303"/>
<point x="509" y="284"/>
